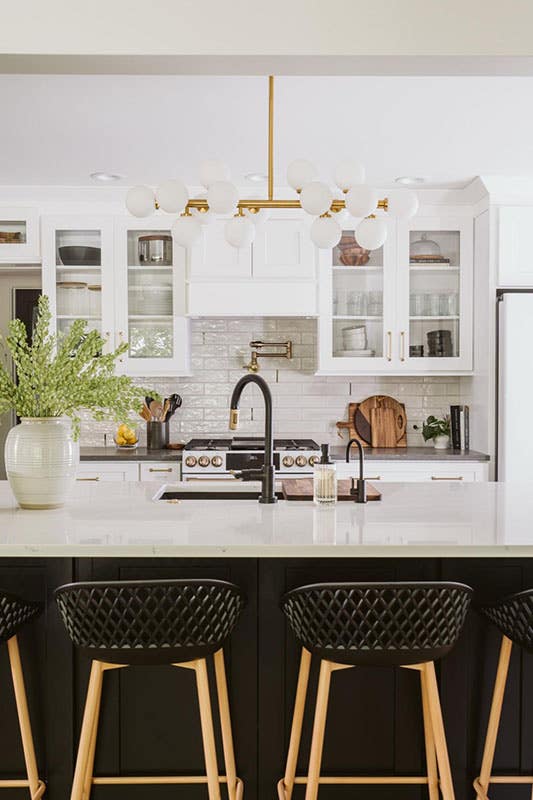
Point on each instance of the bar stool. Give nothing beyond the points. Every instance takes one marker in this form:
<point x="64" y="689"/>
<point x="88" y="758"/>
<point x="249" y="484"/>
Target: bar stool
<point x="513" y="616"/>
<point x="177" y="622"/>
<point x="378" y="624"/>
<point x="14" y="614"/>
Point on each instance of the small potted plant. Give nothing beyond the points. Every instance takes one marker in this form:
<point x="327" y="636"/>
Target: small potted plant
<point x="56" y="378"/>
<point x="438" y="430"/>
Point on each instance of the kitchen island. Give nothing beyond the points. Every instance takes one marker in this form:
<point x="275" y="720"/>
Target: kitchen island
<point x="478" y="533"/>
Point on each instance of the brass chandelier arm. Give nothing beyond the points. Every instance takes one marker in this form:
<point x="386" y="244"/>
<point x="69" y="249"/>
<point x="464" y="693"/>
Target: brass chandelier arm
<point x="337" y="205"/>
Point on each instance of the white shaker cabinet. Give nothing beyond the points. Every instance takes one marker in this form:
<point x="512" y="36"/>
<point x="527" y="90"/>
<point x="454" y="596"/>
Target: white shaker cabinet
<point x="275" y="276"/>
<point x="415" y="471"/>
<point x="19" y="235"/>
<point x="515" y="264"/>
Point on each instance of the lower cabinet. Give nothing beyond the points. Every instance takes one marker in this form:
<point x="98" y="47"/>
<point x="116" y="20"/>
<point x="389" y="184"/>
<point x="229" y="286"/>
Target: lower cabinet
<point x="409" y="471"/>
<point x="161" y="471"/>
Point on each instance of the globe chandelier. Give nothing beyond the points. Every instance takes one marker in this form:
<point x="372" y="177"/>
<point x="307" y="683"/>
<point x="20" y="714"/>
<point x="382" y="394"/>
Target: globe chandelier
<point x="359" y="200"/>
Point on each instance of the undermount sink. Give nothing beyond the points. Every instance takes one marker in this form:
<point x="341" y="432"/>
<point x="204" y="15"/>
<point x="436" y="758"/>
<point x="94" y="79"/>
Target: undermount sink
<point x="215" y="490"/>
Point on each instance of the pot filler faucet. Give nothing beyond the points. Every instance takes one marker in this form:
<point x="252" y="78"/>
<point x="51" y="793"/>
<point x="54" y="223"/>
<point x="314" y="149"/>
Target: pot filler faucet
<point x="265" y="475"/>
<point x="359" y="491"/>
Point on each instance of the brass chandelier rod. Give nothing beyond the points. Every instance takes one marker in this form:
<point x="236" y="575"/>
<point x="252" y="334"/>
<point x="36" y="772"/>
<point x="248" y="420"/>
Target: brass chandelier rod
<point x="255" y="205"/>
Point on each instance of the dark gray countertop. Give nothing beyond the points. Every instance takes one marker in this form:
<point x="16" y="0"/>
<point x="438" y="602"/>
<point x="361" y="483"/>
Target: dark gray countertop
<point x="113" y="453"/>
<point x="411" y="454"/>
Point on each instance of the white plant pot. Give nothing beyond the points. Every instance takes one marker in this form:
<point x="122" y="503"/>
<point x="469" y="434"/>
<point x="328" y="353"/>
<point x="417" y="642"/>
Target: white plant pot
<point x="41" y="461"/>
<point x="441" y="442"/>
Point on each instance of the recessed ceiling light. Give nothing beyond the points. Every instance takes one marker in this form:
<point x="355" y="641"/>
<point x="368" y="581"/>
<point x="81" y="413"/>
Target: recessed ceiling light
<point x="104" y="177"/>
<point x="409" y="180"/>
<point x="256" y="177"/>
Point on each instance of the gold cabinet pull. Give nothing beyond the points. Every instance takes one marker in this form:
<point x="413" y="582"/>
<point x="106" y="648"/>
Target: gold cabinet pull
<point x="402" y="345"/>
<point x="96" y="478"/>
<point x="156" y="469"/>
<point x="389" y="345"/>
<point x="374" y="478"/>
<point x="446" y="478"/>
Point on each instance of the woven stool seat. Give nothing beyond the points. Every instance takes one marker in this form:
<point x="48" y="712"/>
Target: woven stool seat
<point x="149" y="622"/>
<point x="15" y="613"/>
<point x="513" y="616"/>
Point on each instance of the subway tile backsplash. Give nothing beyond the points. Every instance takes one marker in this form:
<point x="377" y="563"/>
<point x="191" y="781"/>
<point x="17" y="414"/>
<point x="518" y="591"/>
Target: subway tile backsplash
<point x="304" y="405"/>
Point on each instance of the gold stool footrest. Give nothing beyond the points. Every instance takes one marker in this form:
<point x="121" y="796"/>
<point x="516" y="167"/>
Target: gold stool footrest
<point x="23" y="783"/>
<point x="157" y="779"/>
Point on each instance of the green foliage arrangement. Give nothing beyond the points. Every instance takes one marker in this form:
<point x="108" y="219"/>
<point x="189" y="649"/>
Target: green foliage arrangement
<point x="59" y="375"/>
<point x="434" y="427"/>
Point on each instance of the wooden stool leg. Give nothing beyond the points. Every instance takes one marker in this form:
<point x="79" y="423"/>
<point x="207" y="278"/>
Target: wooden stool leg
<point x="208" y="735"/>
<point x="446" y="783"/>
<point x="225" y="723"/>
<point x="87" y="783"/>
<point x="23" y="715"/>
<point x="431" y="756"/>
<point x="319" y="727"/>
<point x="481" y="784"/>
<point x="91" y="705"/>
<point x="286" y="785"/>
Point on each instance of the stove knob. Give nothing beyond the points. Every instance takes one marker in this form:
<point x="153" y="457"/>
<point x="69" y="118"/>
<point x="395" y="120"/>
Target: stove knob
<point x="190" y="461"/>
<point x="287" y="461"/>
<point x="313" y="460"/>
<point x="203" y="461"/>
<point x="216" y="461"/>
<point x="301" y="461"/>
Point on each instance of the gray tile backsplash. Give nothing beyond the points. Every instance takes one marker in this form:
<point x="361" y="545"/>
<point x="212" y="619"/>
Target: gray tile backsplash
<point x="304" y="405"/>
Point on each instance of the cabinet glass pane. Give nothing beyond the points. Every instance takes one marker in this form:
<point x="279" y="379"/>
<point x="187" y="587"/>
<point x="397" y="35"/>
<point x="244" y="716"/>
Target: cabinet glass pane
<point x="434" y="294"/>
<point x="357" y="297"/>
<point x="78" y="278"/>
<point x="13" y="231"/>
<point x="150" y="294"/>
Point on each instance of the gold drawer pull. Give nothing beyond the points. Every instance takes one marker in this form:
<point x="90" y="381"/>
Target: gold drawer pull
<point x="156" y="469"/>
<point x="375" y="478"/>
<point x="442" y="478"/>
<point x="97" y="478"/>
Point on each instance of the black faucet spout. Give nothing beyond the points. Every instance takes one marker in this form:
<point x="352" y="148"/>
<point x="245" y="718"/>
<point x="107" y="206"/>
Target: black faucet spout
<point x="267" y="473"/>
<point x="359" y="490"/>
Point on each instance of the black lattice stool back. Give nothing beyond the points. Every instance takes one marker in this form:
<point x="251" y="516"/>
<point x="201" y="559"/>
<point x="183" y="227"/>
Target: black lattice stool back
<point x="513" y="617"/>
<point x="15" y="613"/>
<point x="178" y="622"/>
<point x="375" y="624"/>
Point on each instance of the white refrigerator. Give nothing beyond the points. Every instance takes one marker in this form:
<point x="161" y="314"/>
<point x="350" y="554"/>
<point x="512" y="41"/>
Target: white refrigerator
<point x="515" y="385"/>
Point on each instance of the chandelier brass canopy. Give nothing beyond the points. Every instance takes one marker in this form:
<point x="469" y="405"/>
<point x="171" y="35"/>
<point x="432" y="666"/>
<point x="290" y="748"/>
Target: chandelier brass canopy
<point x="359" y="201"/>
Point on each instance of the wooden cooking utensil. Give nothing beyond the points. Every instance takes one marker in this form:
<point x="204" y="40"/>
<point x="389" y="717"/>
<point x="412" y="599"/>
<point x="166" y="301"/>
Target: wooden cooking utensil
<point x="145" y="413"/>
<point x="166" y="407"/>
<point x="156" y="409"/>
<point x="383" y="427"/>
<point x="302" y="489"/>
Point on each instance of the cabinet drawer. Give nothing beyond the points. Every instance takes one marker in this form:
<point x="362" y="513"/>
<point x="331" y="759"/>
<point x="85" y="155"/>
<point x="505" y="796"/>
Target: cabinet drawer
<point x="160" y="471"/>
<point x="413" y="471"/>
<point x="107" y="471"/>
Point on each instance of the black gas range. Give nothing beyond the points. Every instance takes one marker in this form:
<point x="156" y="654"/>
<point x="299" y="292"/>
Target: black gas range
<point x="221" y="457"/>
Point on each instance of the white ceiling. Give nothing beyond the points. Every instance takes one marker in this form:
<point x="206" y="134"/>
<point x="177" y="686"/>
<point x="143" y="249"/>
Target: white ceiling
<point x="57" y="129"/>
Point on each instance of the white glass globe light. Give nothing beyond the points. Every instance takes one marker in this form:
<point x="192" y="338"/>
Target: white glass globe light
<point x="325" y="233"/>
<point x="348" y="174"/>
<point x="186" y="231"/>
<point x="402" y="203"/>
<point x="316" y="198"/>
<point x="213" y="171"/>
<point x="342" y="217"/>
<point x="172" y="196"/>
<point x="204" y="217"/>
<point x="300" y="172"/>
<point x="258" y="217"/>
<point x="239" y="232"/>
<point x="222" y="197"/>
<point x="140" y="201"/>
<point x="361" y="200"/>
<point x="371" y="233"/>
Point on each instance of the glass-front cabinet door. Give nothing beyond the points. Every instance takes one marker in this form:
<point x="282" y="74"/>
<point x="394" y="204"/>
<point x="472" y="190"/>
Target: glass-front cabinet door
<point x="435" y="279"/>
<point x="78" y="272"/>
<point x="150" y="298"/>
<point x="357" y="306"/>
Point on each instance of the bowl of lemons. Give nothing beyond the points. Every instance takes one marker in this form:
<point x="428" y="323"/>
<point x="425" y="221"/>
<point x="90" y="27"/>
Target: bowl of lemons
<point x="126" y="437"/>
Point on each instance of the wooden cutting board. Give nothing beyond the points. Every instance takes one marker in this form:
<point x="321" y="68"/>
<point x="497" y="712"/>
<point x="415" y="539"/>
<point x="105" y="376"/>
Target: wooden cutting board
<point x="383" y="427"/>
<point x="302" y="489"/>
<point x="396" y="423"/>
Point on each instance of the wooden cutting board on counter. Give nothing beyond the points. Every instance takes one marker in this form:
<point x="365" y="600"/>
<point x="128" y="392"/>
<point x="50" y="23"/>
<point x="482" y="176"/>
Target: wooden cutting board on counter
<point x="379" y="421"/>
<point x="302" y="489"/>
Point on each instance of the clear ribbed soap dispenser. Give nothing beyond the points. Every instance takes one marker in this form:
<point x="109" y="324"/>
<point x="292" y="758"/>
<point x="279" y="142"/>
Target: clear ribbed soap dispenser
<point x="325" y="479"/>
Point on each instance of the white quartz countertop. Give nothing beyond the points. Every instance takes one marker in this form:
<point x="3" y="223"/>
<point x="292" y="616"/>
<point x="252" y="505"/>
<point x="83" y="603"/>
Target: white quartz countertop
<point x="412" y="519"/>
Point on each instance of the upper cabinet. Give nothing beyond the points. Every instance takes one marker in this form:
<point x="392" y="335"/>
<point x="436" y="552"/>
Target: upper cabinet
<point x="515" y="265"/>
<point x="275" y="276"/>
<point x="120" y="277"/>
<point x="403" y="309"/>
<point x="19" y="235"/>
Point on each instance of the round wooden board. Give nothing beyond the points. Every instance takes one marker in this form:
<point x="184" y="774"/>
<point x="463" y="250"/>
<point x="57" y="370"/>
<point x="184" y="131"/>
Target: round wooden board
<point x="362" y="415"/>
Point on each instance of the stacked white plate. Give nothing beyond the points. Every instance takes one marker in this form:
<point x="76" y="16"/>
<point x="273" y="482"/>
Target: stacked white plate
<point x="354" y="353"/>
<point x="150" y="300"/>
<point x="354" y="338"/>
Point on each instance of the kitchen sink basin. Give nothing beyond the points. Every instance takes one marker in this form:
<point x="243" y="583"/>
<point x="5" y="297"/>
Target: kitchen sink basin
<point x="217" y="490"/>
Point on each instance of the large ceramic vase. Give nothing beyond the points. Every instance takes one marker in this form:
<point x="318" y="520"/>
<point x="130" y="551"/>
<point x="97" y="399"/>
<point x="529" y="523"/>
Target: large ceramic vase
<point x="41" y="460"/>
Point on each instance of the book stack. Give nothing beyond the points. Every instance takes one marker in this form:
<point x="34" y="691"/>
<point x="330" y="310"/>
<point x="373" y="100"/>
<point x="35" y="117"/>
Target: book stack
<point x="460" y="427"/>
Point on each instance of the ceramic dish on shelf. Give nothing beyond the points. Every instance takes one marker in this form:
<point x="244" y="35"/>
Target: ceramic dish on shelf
<point x="354" y="353"/>
<point x="80" y="256"/>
